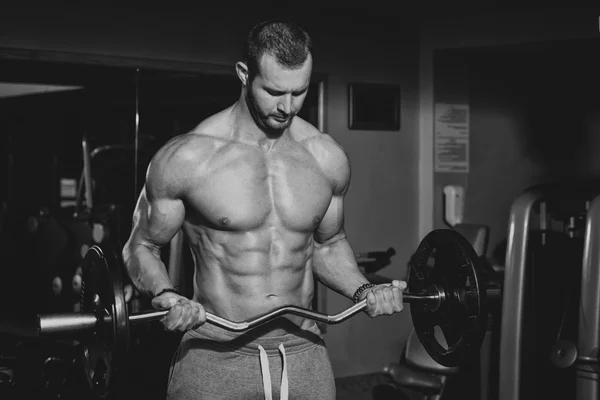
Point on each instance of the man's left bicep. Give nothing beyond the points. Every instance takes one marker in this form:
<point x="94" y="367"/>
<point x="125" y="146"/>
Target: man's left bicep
<point x="331" y="228"/>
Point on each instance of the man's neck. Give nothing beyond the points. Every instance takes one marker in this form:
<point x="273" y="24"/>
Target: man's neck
<point x="246" y="130"/>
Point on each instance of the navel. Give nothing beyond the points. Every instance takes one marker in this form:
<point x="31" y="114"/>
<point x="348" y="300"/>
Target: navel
<point x="224" y="221"/>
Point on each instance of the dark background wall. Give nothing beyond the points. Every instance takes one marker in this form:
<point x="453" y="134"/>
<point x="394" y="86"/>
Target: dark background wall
<point x="534" y="119"/>
<point x="479" y="29"/>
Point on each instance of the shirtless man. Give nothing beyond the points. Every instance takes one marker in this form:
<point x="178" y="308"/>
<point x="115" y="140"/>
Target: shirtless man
<point x="259" y="194"/>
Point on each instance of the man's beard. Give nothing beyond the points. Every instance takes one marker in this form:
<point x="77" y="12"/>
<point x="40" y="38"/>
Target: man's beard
<point x="268" y="125"/>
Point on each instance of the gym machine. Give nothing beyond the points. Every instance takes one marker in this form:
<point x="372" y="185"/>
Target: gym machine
<point x="575" y="208"/>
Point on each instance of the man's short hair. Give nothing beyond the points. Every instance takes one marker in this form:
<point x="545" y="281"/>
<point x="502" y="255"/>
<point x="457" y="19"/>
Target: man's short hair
<point x="288" y="43"/>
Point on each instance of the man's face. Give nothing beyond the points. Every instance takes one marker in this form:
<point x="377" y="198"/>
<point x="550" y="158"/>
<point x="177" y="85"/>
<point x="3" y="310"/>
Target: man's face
<point x="276" y="94"/>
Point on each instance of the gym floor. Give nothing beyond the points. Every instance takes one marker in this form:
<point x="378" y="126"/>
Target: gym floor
<point x="370" y="387"/>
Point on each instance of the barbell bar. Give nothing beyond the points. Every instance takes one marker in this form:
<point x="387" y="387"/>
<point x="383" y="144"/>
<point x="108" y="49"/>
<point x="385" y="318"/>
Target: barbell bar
<point x="63" y="323"/>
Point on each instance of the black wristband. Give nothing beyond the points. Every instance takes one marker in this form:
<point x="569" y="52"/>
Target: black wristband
<point x="361" y="289"/>
<point x="167" y="290"/>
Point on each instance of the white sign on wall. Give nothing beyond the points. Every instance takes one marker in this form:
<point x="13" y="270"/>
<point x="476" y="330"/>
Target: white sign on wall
<point x="451" y="138"/>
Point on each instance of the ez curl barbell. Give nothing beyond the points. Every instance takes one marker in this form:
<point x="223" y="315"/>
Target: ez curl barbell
<point x="448" y="293"/>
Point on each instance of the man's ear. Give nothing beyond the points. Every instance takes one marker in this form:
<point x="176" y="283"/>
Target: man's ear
<point x="241" y="69"/>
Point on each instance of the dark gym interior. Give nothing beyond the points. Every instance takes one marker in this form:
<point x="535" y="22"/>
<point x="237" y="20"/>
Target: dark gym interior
<point x="78" y="97"/>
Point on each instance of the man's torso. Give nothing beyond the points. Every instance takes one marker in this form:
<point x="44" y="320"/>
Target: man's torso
<point x="250" y="216"/>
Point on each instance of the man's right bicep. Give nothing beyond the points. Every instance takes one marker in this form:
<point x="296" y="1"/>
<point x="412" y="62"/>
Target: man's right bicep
<point x="160" y="212"/>
<point x="156" y="219"/>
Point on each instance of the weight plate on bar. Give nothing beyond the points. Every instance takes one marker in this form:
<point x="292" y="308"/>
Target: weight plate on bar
<point x="105" y="348"/>
<point x="446" y="261"/>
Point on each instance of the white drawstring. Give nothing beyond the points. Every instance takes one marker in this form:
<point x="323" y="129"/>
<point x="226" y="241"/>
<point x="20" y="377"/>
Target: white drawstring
<point x="284" y="376"/>
<point x="266" y="374"/>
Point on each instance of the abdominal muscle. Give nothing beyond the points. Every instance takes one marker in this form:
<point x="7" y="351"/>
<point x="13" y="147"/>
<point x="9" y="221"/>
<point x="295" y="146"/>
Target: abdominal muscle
<point x="241" y="275"/>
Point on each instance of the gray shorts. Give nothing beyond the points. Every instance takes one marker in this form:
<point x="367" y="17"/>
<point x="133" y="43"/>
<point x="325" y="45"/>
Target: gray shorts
<point x="213" y="363"/>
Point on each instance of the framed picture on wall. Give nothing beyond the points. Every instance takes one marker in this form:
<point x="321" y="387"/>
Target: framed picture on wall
<point x="373" y="106"/>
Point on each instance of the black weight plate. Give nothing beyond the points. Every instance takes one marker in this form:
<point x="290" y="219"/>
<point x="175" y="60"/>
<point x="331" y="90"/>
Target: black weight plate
<point x="102" y="294"/>
<point x="462" y="315"/>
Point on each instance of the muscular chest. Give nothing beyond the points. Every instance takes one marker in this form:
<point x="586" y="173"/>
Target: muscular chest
<point x="245" y="190"/>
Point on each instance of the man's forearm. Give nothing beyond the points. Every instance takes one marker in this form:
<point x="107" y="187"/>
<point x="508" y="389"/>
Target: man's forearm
<point x="334" y="265"/>
<point x="145" y="268"/>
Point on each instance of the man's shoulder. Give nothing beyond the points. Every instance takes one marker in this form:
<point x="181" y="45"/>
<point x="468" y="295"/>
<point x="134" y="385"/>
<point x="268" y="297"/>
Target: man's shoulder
<point x="325" y="148"/>
<point x="177" y="162"/>
<point x="329" y="154"/>
<point x="186" y="147"/>
<point x="315" y="140"/>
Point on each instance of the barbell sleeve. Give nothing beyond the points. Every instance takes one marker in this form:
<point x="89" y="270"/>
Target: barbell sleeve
<point x="51" y="324"/>
<point x="411" y="297"/>
<point x="62" y="323"/>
